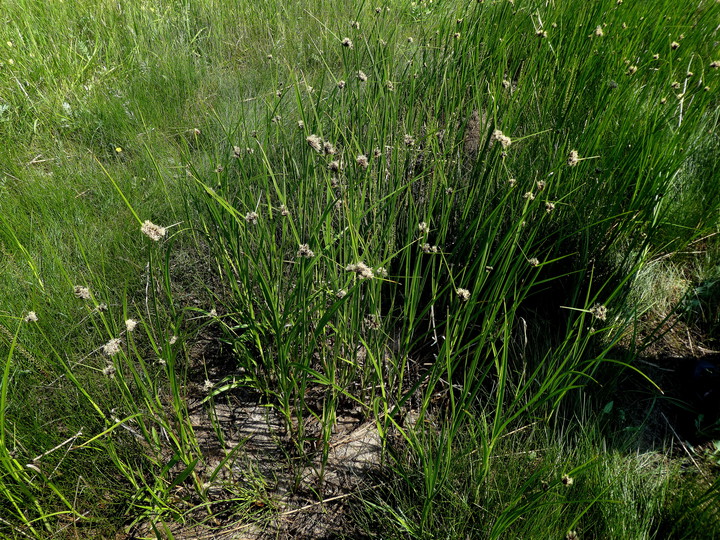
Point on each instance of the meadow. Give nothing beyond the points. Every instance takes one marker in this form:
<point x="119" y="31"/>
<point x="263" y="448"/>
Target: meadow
<point x="484" y="232"/>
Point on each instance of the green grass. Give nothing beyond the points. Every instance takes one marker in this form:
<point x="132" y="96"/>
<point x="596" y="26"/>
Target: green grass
<point x="497" y="282"/>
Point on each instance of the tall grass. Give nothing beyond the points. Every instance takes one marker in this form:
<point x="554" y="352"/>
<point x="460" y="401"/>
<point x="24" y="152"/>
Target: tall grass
<point x="432" y="213"/>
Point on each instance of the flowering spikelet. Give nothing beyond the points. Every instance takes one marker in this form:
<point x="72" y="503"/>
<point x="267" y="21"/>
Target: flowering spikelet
<point x="361" y="76"/>
<point x="82" y="292"/>
<point x="341" y="84"/>
<point x="130" y="324"/>
<point x="251" y="217"/>
<point x="380" y="271"/>
<point x="236" y="151"/>
<point x="567" y="480"/>
<point x="373" y="322"/>
<point x="329" y="149"/>
<point x="463" y="294"/>
<point x="503" y="139"/>
<point x="284" y="210"/>
<point x="599" y="31"/>
<point x="341" y="293"/>
<point x="549" y="206"/>
<point x="362" y="270"/>
<point x="305" y="251"/>
<point x="409" y="140"/>
<point x="674" y="45"/>
<point x="31" y="317"/>
<point x="599" y="312"/>
<point x="315" y="142"/>
<point x="347" y="42"/>
<point x="715" y="64"/>
<point x="572" y="535"/>
<point x="152" y="231"/>
<point x="534" y="261"/>
<point x="112" y="347"/>
<point x="541" y="33"/>
<point x="573" y="158"/>
<point x="529" y="196"/>
<point x="109" y="371"/>
<point x="424" y="228"/>
<point x="362" y="161"/>
<point x="540" y="185"/>
<point x="334" y="166"/>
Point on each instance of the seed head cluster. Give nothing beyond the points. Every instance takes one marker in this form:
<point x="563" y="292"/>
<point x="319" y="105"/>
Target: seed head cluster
<point x="130" y="325"/>
<point x="599" y="312"/>
<point x="31" y="317"/>
<point x="362" y="270"/>
<point x="152" y="231"/>
<point x="112" y="347"/>
<point x="573" y="158"/>
<point x="315" y="142"/>
<point x="82" y="292"/>
<point x="305" y="251"/>
<point x="109" y="371"/>
<point x="463" y="294"/>
<point x="500" y="137"/>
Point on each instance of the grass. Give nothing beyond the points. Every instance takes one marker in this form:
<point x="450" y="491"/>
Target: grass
<point x="453" y="219"/>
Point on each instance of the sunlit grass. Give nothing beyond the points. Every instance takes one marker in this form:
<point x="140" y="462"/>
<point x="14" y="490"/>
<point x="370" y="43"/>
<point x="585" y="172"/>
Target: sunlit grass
<point x="445" y="216"/>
